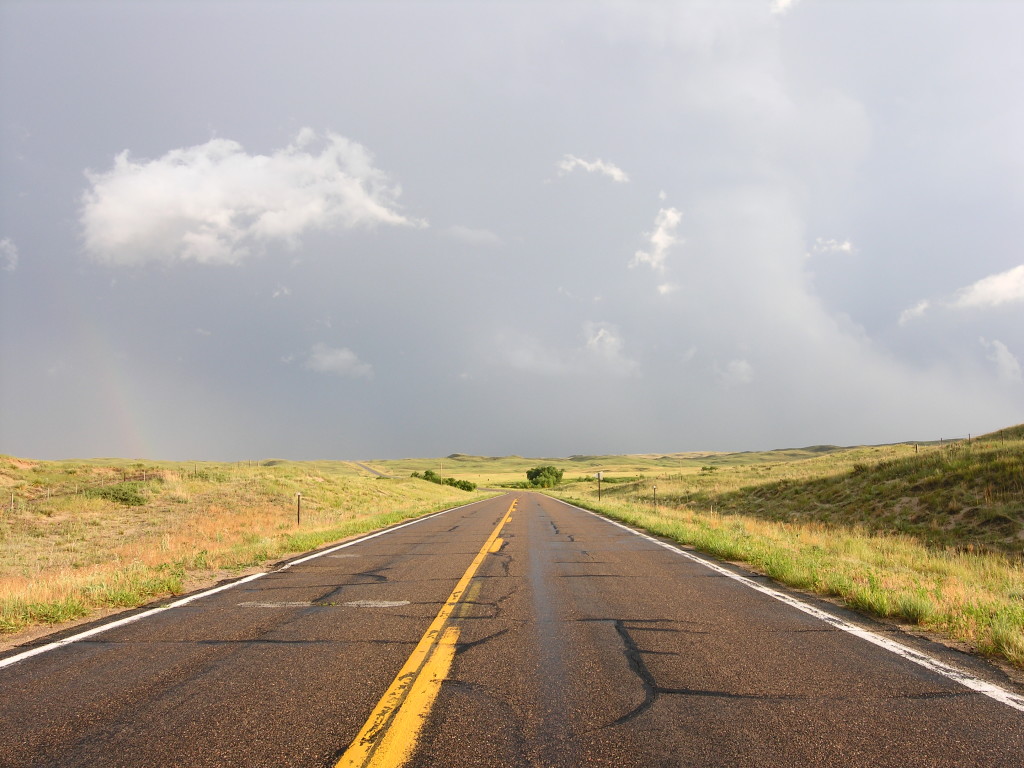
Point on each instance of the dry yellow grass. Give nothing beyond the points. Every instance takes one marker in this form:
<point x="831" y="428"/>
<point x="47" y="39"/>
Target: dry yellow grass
<point x="66" y="554"/>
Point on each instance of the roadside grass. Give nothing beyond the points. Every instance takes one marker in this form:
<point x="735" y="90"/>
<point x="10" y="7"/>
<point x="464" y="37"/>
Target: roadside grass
<point x="71" y="547"/>
<point x="931" y="534"/>
<point x="933" y="538"/>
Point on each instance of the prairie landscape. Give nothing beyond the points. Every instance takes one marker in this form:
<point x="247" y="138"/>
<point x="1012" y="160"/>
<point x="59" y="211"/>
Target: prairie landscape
<point x="81" y="537"/>
<point x="928" y="535"/>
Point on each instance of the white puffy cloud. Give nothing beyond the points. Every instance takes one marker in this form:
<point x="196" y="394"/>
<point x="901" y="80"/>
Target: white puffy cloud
<point x="915" y="311"/>
<point x="661" y="239"/>
<point x="214" y="203"/>
<point x="993" y="290"/>
<point x="821" y="245"/>
<point x="569" y="163"/>
<point x="780" y="7"/>
<point x="8" y="255"/>
<point x="1007" y="365"/>
<point x="605" y="346"/>
<point x="470" y="236"/>
<point x="341" y="362"/>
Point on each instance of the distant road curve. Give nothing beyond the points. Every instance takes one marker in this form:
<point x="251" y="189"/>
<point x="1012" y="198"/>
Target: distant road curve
<point x="369" y="469"/>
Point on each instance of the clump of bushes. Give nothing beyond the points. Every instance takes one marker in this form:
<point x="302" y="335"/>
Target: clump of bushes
<point x="129" y="494"/>
<point x="432" y="476"/>
<point x="544" y="477"/>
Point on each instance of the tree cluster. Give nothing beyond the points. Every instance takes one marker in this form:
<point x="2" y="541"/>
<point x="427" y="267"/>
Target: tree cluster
<point x="544" y="477"/>
<point x="432" y="476"/>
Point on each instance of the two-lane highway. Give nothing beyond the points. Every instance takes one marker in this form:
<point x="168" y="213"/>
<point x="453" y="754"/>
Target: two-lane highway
<point x="518" y="631"/>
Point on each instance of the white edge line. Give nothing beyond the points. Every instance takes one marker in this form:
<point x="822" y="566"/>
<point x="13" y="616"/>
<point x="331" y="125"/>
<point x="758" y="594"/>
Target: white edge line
<point x="965" y="679"/>
<point x="10" y="660"/>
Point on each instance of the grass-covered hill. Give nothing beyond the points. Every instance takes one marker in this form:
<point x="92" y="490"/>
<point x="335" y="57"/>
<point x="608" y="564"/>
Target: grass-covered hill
<point x="509" y="469"/>
<point x="78" y="537"/>
<point x="962" y="495"/>
<point x="932" y="535"/>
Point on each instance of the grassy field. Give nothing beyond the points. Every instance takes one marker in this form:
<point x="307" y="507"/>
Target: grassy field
<point x="927" y="534"/>
<point x="504" y="471"/>
<point x="78" y="537"/>
<point x="932" y="536"/>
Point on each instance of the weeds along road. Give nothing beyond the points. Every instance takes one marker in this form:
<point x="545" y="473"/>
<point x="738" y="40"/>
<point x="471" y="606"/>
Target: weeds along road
<point x="499" y="634"/>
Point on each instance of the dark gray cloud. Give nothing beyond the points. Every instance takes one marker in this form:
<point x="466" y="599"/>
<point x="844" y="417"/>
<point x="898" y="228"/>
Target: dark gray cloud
<point x="381" y="229"/>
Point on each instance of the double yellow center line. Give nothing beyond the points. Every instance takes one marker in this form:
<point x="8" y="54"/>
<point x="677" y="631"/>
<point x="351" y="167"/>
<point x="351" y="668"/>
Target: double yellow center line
<point x="390" y="734"/>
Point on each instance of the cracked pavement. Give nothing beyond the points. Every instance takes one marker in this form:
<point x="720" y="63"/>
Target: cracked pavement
<point x="580" y="644"/>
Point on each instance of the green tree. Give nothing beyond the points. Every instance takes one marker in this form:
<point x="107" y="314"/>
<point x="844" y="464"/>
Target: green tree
<point x="544" y="477"/>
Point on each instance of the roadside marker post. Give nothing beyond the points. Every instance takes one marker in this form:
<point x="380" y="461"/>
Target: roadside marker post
<point x="298" y="509"/>
<point x="655" y="497"/>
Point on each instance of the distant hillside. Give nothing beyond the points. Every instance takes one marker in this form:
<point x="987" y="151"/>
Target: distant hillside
<point x="963" y="495"/>
<point x="456" y="463"/>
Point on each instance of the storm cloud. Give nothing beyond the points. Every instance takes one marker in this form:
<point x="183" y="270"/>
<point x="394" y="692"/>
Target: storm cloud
<point x="368" y="229"/>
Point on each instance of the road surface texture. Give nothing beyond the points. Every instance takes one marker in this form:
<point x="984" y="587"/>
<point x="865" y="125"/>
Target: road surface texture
<point x="369" y="469"/>
<point x="514" y="634"/>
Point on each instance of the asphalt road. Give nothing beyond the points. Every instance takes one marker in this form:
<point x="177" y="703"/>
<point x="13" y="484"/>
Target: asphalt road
<point x="369" y="469"/>
<point x="578" y="643"/>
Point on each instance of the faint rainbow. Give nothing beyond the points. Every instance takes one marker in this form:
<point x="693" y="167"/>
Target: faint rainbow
<point x="116" y="384"/>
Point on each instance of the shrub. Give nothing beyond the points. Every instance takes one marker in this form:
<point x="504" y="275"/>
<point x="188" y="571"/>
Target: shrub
<point x="544" y="477"/>
<point x="432" y="476"/>
<point x="129" y="494"/>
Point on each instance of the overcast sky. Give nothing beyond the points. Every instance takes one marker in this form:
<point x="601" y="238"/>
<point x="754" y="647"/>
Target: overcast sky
<point x="381" y="229"/>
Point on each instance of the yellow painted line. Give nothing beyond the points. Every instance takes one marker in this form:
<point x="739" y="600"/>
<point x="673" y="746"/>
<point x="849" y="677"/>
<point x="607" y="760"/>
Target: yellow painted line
<point x="398" y="739"/>
<point x="496" y="546"/>
<point x="388" y="738"/>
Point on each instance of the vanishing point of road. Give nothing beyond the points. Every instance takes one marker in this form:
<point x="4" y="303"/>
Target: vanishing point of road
<point x="517" y="631"/>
